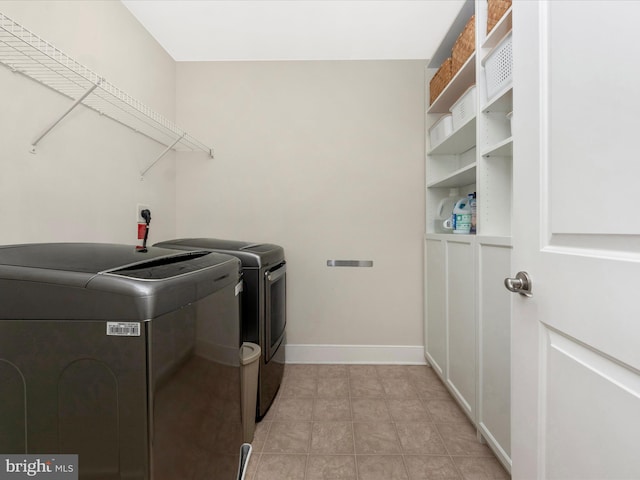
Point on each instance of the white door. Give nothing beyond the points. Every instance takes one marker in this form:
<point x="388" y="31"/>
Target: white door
<point x="576" y="231"/>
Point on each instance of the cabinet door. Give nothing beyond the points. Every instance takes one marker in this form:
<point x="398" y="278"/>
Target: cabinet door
<point x="494" y="332"/>
<point x="461" y="365"/>
<point x="435" y="308"/>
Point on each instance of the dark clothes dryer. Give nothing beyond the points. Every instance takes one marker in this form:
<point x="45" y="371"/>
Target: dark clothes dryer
<point x="263" y="304"/>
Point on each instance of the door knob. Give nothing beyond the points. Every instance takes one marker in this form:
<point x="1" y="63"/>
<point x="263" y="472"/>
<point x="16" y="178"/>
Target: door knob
<point x="521" y="284"/>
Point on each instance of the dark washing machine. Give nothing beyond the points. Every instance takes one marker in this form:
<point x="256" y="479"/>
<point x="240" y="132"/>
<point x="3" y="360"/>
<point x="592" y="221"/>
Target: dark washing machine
<point x="127" y="358"/>
<point x="263" y="304"/>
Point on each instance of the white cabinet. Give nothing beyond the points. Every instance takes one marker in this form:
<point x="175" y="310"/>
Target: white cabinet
<point x="450" y="305"/>
<point x="468" y="310"/>
<point x="436" y="304"/>
<point x="461" y="364"/>
<point x="493" y="345"/>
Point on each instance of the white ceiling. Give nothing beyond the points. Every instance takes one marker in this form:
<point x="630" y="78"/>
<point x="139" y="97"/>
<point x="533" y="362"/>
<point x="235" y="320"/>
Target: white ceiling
<point x="209" y="30"/>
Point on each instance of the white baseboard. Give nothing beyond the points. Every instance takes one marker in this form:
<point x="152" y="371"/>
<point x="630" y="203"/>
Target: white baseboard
<point x="368" y="354"/>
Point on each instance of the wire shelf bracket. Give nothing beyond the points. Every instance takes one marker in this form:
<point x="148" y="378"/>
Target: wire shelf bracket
<point x="24" y="52"/>
<point x="166" y="150"/>
<point x="46" y="131"/>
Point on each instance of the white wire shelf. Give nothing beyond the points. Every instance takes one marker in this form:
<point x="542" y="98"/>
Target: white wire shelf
<point x="24" y="52"/>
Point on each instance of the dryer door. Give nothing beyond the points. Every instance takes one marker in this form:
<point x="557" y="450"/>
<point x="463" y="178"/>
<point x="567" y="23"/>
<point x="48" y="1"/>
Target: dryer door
<point x="276" y="314"/>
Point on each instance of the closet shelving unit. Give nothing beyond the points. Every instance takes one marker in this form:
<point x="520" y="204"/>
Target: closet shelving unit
<point x="467" y="308"/>
<point x="24" y="52"/>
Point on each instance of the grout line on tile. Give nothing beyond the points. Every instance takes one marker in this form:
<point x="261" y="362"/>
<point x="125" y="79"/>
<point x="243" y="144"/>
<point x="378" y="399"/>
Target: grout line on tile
<point x="353" y="430"/>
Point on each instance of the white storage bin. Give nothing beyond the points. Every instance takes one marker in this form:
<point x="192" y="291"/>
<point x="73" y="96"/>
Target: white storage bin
<point x="498" y="67"/>
<point x="464" y="109"/>
<point x="440" y="130"/>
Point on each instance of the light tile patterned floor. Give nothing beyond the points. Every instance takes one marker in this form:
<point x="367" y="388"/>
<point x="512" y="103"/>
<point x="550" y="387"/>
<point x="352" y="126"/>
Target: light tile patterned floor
<point x="367" y="422"/>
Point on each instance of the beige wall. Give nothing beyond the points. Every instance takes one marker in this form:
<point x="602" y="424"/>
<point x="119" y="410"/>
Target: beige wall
<point x="326" y="159"/>
<point x="84" y="182"/>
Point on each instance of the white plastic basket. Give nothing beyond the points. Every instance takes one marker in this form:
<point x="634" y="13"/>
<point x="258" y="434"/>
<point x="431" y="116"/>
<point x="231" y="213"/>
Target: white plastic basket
<point x="440" y="130"/>
<point x="464" y="109"/>
<point x="498" y="67"/>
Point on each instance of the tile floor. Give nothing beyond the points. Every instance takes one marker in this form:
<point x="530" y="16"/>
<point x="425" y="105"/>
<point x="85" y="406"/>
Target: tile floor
<point x="367" y="422"/>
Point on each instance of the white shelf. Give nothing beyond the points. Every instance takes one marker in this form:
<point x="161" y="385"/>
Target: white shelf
<point x="458" y="334"/>
<point x="460" y="237"/>
<point x="502" y="102"/>
<point x="459" y="141"/>
<point x="500" y="99"/>
<point x="459" y="178"/>
<point x="495" y="240"/>
<point x="24" y="52"/>
<point x="499" y="30"/>
<point x="459" y="84"/>
<point x="501" y="149"/>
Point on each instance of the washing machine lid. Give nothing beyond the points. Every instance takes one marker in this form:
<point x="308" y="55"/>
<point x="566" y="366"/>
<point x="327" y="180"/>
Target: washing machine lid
<point x="210" y="243"/>
<point x="106" y="281"/>
<point x="252" y="255"/>
<point x="90" y="258"/>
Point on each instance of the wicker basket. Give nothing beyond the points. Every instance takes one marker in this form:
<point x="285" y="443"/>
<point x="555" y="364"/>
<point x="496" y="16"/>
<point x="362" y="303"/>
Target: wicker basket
<point x="495" y="11"/>
<point x="440" y="80"/>
<point x="465" y="45"/>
